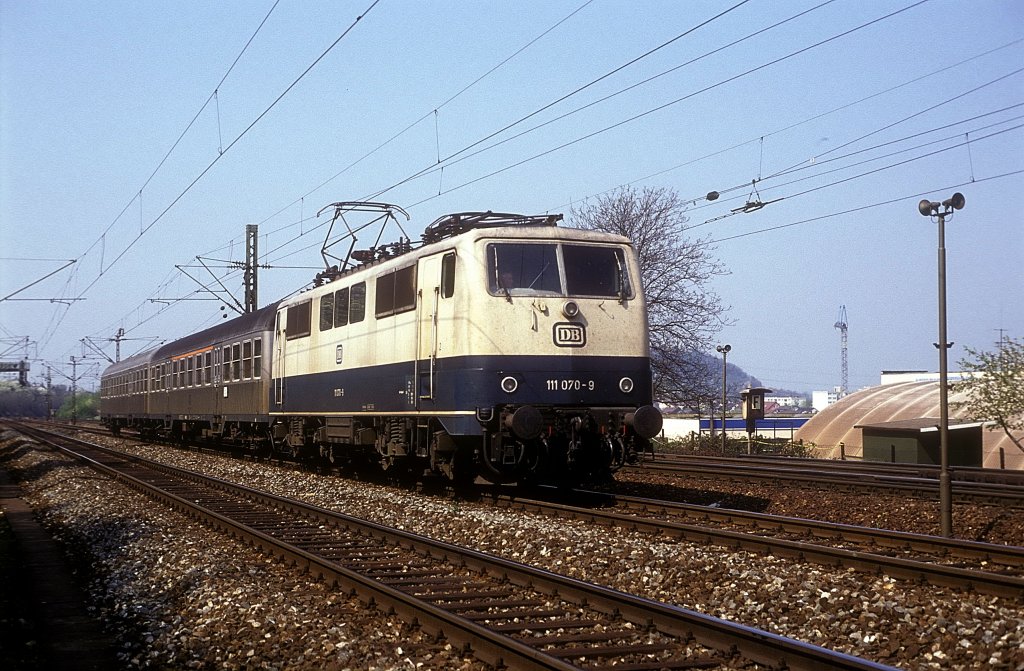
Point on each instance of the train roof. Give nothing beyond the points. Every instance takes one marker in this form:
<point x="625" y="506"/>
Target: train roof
<point x="260" y="320"/>
<point x="141" y="359"/>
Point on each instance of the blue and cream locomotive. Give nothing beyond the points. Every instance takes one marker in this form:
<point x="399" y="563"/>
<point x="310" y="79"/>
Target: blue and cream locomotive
<point x="502" y="346"/>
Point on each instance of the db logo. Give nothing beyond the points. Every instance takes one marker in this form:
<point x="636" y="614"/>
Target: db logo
<point x="569" y="335"/>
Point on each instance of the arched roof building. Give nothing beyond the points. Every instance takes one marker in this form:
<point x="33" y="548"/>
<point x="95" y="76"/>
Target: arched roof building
<point x="889" y="403"/>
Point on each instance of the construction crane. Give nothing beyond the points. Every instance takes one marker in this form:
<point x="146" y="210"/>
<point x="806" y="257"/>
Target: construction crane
<point x="841" y="325"/>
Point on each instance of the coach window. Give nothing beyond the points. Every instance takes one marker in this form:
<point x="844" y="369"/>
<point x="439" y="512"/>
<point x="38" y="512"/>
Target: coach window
<point x="257" y="358"/>
<point x="209" y="367"/>
<point x="357" y="303"/>
<point x="236" y="362"/>
<point x="225" y="358"/>
<point x="448" y="275"/>
<point x="341" y="307"/>
<point x="385" y="304"/>
<point x="326" y="312"/>
<point x="247" y="359"/>
<point x="396" y="292"/>
<point x="298" y="320"/>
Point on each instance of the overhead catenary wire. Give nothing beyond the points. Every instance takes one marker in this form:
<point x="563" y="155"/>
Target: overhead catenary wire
<point x="650" y="111"/>
<point x="791" y="126"/>
<point x="872" y="172"/>
<point x="212" y="96"/>
<point x="579" y="89"/>
<point x="866" y="207"/>
<point x="877" y="158"/>
<point x="427" y="114"/>
<point x="572" y="93"/>
<point x="909" y="117"/>
<point x="51" y="329"/>
<point x="448" y="160"/>
<point x="54" y="323"/>
<point x="818" y="164"/>
<point x="457" y="158"/>
<point x="549" y="151"/>
<point x="441" y="163"/>
<point x="235" y="141"/>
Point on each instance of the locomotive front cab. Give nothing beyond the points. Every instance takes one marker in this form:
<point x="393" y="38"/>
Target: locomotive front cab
<point x="570" y="389"/>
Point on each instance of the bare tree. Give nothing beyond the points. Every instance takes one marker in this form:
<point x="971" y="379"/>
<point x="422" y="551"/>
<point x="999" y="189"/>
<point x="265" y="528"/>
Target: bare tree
<point x="683" y="312"/>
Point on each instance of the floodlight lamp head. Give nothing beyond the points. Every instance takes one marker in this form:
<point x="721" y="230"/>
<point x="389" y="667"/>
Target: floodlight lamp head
<point x="957" y="202"/>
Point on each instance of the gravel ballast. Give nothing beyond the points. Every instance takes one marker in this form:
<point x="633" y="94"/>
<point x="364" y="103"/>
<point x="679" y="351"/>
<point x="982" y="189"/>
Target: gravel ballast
<point x="180" y="596"/>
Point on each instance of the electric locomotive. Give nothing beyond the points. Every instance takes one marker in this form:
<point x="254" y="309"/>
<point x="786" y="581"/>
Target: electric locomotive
<point x="502" y="346"/>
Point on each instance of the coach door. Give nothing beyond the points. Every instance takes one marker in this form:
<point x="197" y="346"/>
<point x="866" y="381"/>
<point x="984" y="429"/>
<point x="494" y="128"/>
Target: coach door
<point x="277" y="365"/>
<point x="436" y="284"/>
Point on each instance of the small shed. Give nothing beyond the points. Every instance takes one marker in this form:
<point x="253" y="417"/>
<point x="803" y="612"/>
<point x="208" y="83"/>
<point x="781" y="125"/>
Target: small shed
<point x="916" y="441"/>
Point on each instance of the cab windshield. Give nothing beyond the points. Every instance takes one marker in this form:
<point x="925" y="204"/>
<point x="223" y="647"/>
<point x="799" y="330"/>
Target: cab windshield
<point x="553" y="269"/>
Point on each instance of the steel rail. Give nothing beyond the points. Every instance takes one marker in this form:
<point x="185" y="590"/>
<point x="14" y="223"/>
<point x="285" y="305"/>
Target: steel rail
<point x="960" y="474"/>
<point x="1008" y="555"/>
<point x="989" y="494"/>
<point x="936" y="574"/>
<point x="753" y="644"/>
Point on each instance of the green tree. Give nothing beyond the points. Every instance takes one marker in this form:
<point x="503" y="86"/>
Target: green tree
<point x="86" y="406"/>
<point x="994" y="388"/>
<point x="684" y="314"/>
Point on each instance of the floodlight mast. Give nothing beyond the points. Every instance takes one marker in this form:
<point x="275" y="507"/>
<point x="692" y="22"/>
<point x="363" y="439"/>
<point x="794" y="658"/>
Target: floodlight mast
<point x="940" y="211"/>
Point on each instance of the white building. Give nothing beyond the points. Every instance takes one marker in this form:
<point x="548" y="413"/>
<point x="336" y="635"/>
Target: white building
<point x="784" y="400"/>
<point x="822" y="399"/>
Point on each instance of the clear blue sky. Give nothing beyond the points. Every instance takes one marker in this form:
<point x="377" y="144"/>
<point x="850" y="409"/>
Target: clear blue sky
<point x="93" y="95"/>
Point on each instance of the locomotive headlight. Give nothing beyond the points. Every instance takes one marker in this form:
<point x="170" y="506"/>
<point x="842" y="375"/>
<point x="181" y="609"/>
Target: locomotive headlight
<point x="570" y="309"/>
<point x="626" y="385"/>
<point x="509" y="384"/>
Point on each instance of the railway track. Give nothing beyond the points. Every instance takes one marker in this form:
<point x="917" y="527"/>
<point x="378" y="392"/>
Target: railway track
<point x="986" y="493"/>
<point x="506" y="613"/>
<point x="985" y="567"/>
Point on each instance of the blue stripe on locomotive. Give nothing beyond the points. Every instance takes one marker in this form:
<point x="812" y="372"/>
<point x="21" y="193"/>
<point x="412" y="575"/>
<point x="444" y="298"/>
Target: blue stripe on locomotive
<point x="463" y="384"/>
